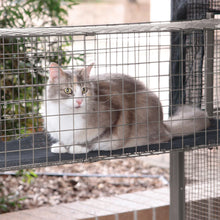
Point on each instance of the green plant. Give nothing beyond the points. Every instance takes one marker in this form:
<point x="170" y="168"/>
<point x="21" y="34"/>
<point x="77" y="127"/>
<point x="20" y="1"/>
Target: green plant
<point x="21" y="67"/>
<point x="27" y="13"/>
<point x="22" y="59"/>
<point x="9" y="202"/>
<point x="27" y="175"/>
<point x="12" y="201"/>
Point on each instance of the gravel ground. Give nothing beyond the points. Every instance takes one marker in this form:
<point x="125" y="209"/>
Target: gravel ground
<point x="52" y="190"/>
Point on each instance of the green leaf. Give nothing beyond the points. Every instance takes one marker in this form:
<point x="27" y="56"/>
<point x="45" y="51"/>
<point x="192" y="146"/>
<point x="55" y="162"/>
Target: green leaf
<point x="20" y="13"/>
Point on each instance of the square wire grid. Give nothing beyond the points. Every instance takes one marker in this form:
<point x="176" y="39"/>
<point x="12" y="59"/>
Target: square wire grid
<point x="202" y="191"/>
<point x="141" y="51"/>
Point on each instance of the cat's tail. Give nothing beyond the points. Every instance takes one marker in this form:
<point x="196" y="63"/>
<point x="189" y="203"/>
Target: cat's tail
<point x="187" y="120"/>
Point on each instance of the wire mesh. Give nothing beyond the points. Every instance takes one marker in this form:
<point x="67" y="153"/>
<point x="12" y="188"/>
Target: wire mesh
<point x="97" y="92"/>
<point x="192" y="52"/>
<point x="197" y="9"/>
<point x="202" y="168"/>
<point x="193" y="9"/>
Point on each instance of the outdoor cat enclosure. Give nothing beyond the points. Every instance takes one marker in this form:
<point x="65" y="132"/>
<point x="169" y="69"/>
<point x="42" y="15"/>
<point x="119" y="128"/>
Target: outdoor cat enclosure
<point x="142" y="51"/>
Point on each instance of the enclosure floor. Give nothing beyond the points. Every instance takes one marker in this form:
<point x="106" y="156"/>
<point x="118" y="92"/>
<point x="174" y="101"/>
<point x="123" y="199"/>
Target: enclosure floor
<point x="33" y="150"/>
<point x="151" y="204"/>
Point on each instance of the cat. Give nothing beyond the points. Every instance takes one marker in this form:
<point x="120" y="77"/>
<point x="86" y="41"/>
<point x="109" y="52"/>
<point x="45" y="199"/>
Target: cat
<point x="107" y="112"/>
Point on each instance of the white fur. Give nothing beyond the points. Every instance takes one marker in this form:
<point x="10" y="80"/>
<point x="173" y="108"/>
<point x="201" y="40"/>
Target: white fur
<point x="70" y="129"/>
<point x="78" y="96"/>
<point x="106" y="144"/>
<point x="66" y="124"/>
<point x="77" y="149"/>
<point x="65" y="120"/>
<point x="62" y="124"/>
<point x="57" y="149"/>
<point x="187" y="120"/>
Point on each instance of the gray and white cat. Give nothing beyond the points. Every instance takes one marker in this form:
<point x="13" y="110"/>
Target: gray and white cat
<point x="108" y="112"/>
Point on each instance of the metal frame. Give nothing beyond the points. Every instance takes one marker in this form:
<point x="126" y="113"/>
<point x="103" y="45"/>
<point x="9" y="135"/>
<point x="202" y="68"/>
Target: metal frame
<point x="209" y="42"/>
<point x="177" y="184"/>
<point x="177" y="175"/>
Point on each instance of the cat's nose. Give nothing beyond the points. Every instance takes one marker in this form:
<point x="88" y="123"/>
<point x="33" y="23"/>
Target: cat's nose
<point x="79" y="101"/>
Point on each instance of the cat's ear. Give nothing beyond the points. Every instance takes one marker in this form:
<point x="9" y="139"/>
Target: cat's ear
<point x="85" y="72"/>
<point x="88" y="69"/>
<point x="55" y="72"/>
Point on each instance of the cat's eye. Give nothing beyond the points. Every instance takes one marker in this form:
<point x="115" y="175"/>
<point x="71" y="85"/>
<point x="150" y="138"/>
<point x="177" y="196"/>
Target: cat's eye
<point x="84" y="90"/>
<point x="68" y="90"/>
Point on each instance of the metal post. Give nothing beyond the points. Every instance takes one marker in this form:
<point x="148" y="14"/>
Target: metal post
<point x="177" y="186"/>
<point x="209" y="60"/>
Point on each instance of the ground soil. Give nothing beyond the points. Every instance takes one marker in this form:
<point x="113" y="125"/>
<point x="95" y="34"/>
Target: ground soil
<point x="51" y="190"/>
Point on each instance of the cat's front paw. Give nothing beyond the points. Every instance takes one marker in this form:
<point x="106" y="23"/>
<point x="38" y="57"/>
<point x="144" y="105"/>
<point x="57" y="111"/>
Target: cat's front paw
<point x="57" y="149"/>
<point x="77" y="149"/>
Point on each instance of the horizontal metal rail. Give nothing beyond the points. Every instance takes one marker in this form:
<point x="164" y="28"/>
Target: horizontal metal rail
<point x="206" y="24"/>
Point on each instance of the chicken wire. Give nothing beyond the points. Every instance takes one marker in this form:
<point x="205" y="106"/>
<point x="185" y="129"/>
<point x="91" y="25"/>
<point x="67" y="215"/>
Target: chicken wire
<point x="141" y="51"/>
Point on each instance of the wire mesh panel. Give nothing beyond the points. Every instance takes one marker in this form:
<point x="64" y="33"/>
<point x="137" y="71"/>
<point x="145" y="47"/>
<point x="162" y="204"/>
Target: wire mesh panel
<point x="95" y="92"/>
<point x="197" y="9"/>
<point x="202" y="191"/>
<point x="192" y="56"/>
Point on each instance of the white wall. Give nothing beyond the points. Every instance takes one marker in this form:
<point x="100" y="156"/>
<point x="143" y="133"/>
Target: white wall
<point x="160" y="11"/>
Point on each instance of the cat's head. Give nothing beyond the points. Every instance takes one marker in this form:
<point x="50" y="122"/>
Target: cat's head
<point x="70" y="88"/>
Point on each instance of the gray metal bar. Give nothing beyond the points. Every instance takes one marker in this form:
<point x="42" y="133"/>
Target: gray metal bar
<point x="177" y="186"/>
<point x="111" y="29"/>
<point x="209" y="60"/>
